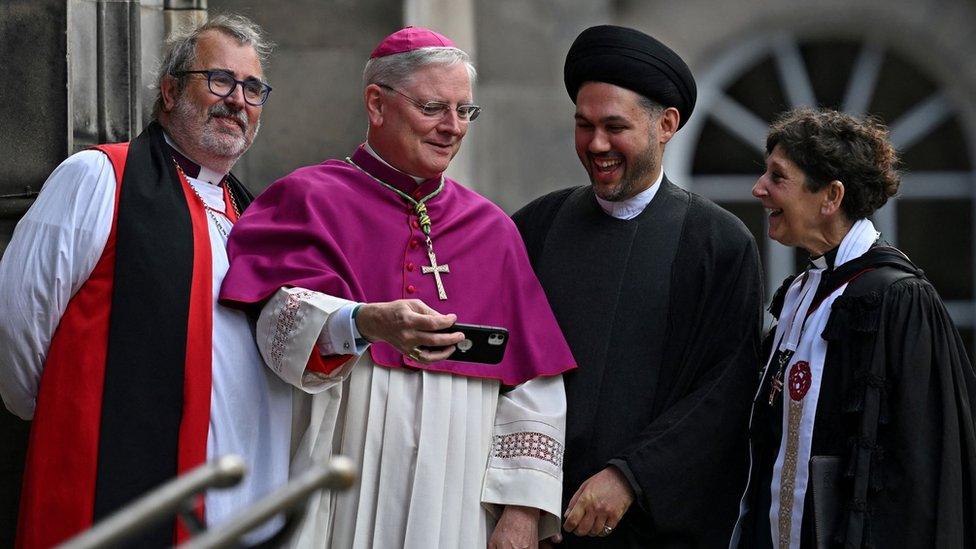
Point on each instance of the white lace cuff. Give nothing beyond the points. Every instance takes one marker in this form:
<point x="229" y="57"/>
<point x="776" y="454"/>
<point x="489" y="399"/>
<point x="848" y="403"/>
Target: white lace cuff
<point x="291" y="325"/>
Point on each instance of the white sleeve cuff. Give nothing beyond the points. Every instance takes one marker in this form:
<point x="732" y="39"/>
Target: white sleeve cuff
<point x="340" y="335"/>
<point x="290" y="328"/>
<point x="525" y="466"/>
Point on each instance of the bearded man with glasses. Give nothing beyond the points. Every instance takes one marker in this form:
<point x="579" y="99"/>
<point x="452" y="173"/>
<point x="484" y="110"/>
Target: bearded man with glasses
<point x="113" y="342"/>
<point x="338" y="259"/>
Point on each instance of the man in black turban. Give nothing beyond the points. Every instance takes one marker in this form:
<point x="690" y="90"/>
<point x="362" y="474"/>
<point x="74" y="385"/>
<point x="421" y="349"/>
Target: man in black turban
<point x="659" y="294"/>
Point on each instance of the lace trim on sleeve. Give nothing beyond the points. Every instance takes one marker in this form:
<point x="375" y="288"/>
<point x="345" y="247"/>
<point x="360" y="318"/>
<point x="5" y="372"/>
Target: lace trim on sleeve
<point x="285" y="325"/>
<point x="528" y="444"/>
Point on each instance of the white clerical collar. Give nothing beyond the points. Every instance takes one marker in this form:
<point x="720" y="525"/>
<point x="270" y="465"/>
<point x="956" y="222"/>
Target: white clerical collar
<point x="375" y="155"/>
<point x="206" y="174"/>
<point x="633" y="206"/>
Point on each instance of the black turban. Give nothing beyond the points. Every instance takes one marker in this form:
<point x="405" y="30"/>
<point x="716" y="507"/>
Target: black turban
<point x="630" y="59"/>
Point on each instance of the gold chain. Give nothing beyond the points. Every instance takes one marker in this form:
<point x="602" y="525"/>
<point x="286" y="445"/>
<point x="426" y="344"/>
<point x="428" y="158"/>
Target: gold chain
<point x="419" y="206"/>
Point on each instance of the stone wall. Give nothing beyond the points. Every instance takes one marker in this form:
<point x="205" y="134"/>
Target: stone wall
<point x="316" y="108"/>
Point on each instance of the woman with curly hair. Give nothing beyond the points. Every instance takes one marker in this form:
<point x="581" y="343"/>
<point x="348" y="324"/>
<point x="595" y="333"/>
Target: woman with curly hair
<point x="862" y="429"/>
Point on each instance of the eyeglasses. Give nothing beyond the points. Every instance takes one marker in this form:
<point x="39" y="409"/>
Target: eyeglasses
<point x="223" y="83"/>
<point x="438" y="108"/>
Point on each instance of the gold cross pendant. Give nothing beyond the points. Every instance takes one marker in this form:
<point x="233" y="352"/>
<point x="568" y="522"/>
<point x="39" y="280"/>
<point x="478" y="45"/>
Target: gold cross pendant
<point x="436" y="270"/>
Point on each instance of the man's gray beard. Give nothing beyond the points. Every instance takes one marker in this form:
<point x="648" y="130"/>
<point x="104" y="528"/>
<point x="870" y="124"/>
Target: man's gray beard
<point x="209" y="139"/>
<point x="644" y="167"/>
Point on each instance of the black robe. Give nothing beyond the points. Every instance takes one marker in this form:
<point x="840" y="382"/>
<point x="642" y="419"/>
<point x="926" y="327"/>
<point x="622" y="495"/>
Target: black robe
<point x="896" y="408"/>
<point x="663" y="314"/>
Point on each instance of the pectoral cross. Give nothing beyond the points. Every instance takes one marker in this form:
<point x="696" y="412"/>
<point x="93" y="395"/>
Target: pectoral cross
<point x="436" y="270"/>
<point x="776" y="386"/>
<point x="777" y="383"/>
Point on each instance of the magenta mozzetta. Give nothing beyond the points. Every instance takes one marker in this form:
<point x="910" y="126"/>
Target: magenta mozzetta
<point x="306" y="231"/>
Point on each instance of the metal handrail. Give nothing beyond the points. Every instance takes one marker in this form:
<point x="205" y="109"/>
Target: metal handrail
<point x="339" y="474"/>
<point x="160" y="504"/>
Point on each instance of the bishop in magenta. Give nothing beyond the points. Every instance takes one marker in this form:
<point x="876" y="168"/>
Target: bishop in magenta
<point x="351" y="264"/>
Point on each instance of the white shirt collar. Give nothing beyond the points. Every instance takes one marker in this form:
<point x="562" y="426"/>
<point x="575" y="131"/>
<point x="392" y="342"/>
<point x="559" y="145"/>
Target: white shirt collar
<point x="206" y="174"/>
<point x="633" y="206"/>
<point x="375" y="155"/>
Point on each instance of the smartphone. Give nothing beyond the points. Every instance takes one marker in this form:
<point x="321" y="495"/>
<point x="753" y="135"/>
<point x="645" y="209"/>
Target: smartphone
<point x="481" y="344"/>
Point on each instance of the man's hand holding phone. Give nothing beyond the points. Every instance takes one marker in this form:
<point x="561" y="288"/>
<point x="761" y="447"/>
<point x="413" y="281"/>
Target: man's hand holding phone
<point x="410" y="326"/>
<point x="427" y="336"/>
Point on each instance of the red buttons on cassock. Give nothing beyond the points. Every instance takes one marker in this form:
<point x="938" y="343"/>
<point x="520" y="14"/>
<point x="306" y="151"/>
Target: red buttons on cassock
<point x="414" y="243"/>
<point x="410" y="267"/>
<point x="411" y="289"/>
<point x="417" y="193"/>
<point x="415" y="223"/>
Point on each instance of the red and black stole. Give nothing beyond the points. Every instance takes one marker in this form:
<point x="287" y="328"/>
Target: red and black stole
<point x="124" y="399"/>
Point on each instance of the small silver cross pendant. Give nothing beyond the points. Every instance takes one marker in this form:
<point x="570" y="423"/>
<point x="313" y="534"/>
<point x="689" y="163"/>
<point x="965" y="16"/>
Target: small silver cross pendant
<point x="436" y="270"/>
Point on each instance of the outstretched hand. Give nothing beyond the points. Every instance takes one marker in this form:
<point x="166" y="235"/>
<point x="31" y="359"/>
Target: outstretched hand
<point x="408" y="325"/>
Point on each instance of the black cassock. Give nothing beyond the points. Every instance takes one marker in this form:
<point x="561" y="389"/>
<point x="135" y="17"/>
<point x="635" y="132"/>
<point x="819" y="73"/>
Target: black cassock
<point x="662" y="313"/>
<point x="895" y="410"/>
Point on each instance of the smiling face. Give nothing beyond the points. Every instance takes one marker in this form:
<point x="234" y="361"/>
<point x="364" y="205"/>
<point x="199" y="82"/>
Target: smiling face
<point x="213" y="130"/>
<point x="796" y="216"/>
<point x="406" y="138"/>
<point x="618" y="140"/>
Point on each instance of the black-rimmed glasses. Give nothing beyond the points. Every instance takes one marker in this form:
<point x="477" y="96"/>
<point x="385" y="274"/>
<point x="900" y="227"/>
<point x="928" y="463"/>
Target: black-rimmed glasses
<point x="438" y="108"/>
<point x="223" y="83"/>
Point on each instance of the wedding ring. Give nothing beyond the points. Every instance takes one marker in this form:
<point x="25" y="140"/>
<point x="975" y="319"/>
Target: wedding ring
<point x="607" y="530"/>
<point x="414" y="353"/>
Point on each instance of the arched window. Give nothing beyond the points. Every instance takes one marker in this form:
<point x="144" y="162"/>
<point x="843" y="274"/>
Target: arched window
<point x="720" y="153"/>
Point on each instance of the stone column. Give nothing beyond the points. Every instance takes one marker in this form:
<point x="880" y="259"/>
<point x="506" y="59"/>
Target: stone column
<point x="454" y="19"/>
<point x="180" y="13"/>
<point x="525" y="136"/>
<point x="316" y="110"/>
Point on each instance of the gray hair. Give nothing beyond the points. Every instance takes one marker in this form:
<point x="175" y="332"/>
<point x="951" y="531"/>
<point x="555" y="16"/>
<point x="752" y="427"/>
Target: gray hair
<point x="397" y="69"/>
<point x="181" y="48"/>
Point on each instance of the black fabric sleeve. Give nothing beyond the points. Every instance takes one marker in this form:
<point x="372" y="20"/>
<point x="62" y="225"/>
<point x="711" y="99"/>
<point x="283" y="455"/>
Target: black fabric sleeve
<point x="689" y="464"/>
<point x="624" y="469"/>
<point x="923" y="468"/>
